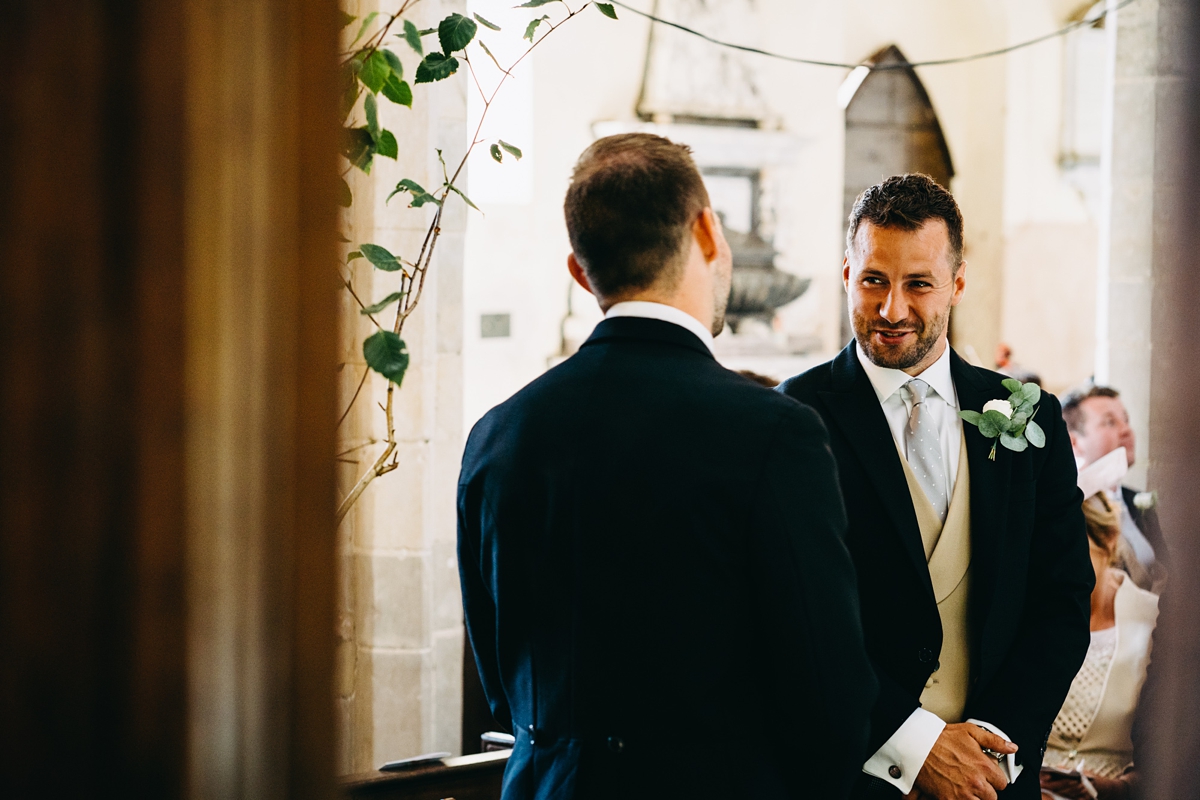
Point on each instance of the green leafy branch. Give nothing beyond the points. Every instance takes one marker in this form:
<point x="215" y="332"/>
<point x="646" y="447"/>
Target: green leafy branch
<point x="375" y="70"/>
<point x="1010" y="422"/>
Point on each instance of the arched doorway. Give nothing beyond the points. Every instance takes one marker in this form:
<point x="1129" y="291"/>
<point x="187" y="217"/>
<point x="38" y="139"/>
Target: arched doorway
<point x="891" y="128"/>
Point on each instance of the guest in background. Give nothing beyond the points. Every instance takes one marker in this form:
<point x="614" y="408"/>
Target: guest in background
<point x="1098" y="423"/>
<point x="1092" y="733"/>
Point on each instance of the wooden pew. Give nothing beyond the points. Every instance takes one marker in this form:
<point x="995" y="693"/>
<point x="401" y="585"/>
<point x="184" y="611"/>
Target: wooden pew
<point x="474" y="777"/>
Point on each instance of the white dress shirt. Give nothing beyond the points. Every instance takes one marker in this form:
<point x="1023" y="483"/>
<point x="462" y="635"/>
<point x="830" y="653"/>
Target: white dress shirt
<point x="909" y="746"/>
<point x="661" y="311"/>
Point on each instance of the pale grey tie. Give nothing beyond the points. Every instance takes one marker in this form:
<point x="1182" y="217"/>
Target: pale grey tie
<point x="923" y="447"/>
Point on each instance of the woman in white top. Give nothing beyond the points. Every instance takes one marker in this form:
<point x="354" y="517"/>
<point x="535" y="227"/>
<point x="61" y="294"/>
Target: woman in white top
<point x="1091" y="734"/>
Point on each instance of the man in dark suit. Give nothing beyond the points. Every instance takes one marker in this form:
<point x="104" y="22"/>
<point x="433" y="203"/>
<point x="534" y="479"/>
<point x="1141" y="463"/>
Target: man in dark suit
<point x="1098" y="423"/>
<point x="655" y="582"/>
<point x="974" y="576"/>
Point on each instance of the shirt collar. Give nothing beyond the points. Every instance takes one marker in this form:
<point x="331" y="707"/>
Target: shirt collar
<point x="661" y="311"/>
<point x="886" y="382"/>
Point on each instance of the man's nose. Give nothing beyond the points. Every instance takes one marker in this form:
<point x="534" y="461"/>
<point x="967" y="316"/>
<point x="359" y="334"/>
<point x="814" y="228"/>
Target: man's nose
<point x="895" y="306"/>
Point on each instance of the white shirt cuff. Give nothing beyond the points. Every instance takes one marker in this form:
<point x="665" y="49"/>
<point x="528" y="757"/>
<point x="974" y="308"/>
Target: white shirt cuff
<point x="1012" y="770"/>
<point x="901" y="757"/>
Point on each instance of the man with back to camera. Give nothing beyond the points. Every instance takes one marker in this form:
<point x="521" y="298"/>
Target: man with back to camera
<point x="650" y="546"/>
<point x="973" y="574"/>
<point x="1098" y="423"/>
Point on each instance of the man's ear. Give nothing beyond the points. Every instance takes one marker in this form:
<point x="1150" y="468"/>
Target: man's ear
<point x="576" y="270"/>
<point x="706" y="230"/>
<point x="960" y="284"/>
<point x="846" y="271"/>
<point x="1074" y="441"/>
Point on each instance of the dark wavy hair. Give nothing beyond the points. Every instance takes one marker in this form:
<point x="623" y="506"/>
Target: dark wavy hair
<point x="630" y="208"/>
<point x="907" y="202"/>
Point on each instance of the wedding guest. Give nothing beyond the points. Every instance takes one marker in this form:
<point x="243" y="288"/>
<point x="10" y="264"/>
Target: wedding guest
<point x="650" y="545"/>
<point x="1092" y="732"/>
<point x="973" y="570"/>
<point x="1098" y="423"/>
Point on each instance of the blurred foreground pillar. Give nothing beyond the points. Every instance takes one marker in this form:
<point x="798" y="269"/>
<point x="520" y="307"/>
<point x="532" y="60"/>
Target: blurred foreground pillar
<point x="1170" y="762"/>
<point x="167" y="348"/>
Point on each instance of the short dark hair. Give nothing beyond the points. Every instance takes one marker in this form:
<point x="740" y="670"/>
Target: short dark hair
<point x="630" y="208"/>
<point x="907" y="202"/>
<point x="1072" y="407"/>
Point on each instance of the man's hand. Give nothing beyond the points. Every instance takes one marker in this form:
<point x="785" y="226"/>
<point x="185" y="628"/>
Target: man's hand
<point x="958" y="769"/>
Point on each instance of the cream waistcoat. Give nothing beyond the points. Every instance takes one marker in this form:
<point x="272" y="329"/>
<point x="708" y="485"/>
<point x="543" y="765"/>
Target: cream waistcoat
<point x="948" y="553"/>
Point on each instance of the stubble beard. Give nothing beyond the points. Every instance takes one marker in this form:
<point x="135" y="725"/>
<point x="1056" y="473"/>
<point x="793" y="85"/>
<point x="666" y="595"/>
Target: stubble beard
<point x="899" y="358"/>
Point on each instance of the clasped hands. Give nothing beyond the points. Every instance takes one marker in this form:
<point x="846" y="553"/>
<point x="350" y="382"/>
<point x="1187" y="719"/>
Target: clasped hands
<point x="958" y="769"/>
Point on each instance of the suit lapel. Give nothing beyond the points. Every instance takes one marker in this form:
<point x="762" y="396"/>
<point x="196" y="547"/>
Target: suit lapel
<point x="854" y="407"/>
<point x="989" y="492"/>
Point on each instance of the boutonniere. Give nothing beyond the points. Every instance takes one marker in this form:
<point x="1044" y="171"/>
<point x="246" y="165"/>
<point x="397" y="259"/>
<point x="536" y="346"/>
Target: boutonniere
<point x="1144" y="501"/>
<point x="1010" y="422"/>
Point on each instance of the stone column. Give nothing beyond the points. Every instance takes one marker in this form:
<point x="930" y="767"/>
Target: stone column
<point x="1133" y="207"/>
<point x="400" y="613"/>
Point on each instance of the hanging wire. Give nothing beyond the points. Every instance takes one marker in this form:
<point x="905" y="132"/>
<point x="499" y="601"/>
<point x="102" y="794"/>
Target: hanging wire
<point x="1087" y="21"/>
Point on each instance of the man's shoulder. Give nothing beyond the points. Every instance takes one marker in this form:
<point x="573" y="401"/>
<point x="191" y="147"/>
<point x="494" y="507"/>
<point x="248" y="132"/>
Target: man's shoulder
<point x="805" y="386"/>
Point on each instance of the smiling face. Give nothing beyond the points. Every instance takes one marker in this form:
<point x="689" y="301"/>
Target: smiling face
<point x="901" y="286"/>
<point x="1105" y="428"/>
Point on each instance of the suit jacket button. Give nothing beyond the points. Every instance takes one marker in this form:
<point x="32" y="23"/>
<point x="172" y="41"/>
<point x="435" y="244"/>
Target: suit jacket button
<point x="532" y="735"/>
<point x="894" y="771"/>
<point x="925" y="655"/>
<point x="616" y="744"/>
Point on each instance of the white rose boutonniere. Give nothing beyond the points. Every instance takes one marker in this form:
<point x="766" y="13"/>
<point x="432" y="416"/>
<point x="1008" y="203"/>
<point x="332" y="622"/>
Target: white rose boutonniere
<point x="1144" y="501"/>
<point x="1010" y="422"/>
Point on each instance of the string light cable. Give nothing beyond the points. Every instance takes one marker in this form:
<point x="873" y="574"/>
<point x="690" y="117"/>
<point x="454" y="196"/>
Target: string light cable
<point x="1088" y="20"/>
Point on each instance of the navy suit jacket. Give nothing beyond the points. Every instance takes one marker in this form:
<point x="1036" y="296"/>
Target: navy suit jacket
<point x="1031" y="578"/>
<point x="655" y="581"/>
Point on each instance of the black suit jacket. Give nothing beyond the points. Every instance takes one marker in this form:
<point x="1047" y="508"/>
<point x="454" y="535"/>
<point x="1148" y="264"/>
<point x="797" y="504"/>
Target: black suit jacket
<point x="1147" y="523"/>
<point x="655" y="581"/>
<point x="1030" y="573"/>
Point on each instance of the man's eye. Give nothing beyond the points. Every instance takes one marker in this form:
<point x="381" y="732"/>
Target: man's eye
<point x="873" y="281"/>
<point x="921" y="285"/>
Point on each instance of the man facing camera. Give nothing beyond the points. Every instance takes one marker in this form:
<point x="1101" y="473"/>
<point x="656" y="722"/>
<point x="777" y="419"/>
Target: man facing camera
<point x="1099" y="424"/>
<point x="974" y="576"/>
<point x="654" y="577"/>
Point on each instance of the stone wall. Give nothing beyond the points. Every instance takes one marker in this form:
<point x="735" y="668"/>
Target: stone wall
<point x="399" y="616"/>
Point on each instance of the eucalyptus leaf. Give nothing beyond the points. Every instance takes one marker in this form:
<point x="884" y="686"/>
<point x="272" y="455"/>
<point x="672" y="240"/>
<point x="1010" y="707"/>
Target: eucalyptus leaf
<point x="535" y="3"/>
<point x="436" y="67"/>
<point x="345" y="196"/>
<point x="387" y="354"/>
<point x="347" y="19"/>
<point x="353" y="254"/>
<point x="386" y="145"/>
<point x="607" y="10"/>
<point x="1032" y="391"/>
<point x="456" y="32"/>
<point x="1035" y="434"/>
<point x="380" y="257"/>
<point x="382" y="304"/>
<point x="1014" y="443"/>
<point x="987" y="428"/>
<point x="419" y="196"/>
<point x="372" y="113"/>
<point x="516" y="151"/>
<point x="367" y="20"/>
<point x="358" y="147"/>
<point x="998" y="420"/>
<point x="489" y="55"/>
<point x="459" y="192"/>
<point x="496" y="154"/>
<point x="413" y="37"/>
<point x="972" y="417"/>
<point x="375" y="72"/>
<point x="398" y="91"/>
<point x="532" y="27"/>
<point x="1020" y="418"/>
<point x="394" y="62"/>
<point x="1012" y="384"/>
<point x="485" y="23"/>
